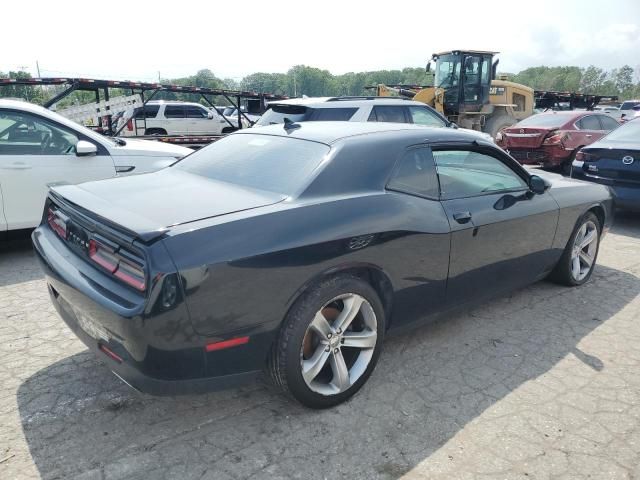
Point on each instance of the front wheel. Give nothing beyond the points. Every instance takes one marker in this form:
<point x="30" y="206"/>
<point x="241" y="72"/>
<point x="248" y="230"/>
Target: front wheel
<point x="579" y="257"/>
<point x="329" y="343"/>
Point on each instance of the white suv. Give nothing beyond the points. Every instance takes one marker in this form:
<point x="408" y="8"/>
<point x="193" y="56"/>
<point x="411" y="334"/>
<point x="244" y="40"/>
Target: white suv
<point x="357" y="109"/>
<point x="38" y="148"/>
<point x="172" y="118"/>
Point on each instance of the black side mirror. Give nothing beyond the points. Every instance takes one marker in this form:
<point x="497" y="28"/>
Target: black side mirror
<point x="538" y="185"/>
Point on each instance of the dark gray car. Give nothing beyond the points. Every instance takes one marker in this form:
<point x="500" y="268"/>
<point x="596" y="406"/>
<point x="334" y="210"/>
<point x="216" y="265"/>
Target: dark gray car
<point x="296" y="248"/>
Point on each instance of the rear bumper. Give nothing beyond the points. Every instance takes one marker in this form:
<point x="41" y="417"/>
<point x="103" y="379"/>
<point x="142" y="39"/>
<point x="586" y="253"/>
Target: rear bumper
<point x="624" y="197"/>
<point x="548" y="156"/>
<point x="135" y="378"/>
<point x="152" y="359"/>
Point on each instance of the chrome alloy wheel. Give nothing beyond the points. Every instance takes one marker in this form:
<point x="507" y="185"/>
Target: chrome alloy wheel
<point x="583" y="254"/>
<point x="338" y="344"/>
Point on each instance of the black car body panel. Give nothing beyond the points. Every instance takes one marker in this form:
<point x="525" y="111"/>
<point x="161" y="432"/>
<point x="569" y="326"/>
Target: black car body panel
<point x="240" y="258"/>
<point x="614" y="161"/>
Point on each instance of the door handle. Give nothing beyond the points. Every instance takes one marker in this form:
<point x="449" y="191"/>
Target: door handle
<point x="462" y="217"/>
<point x="588" y="136"/>
<point x="17" y="166"/>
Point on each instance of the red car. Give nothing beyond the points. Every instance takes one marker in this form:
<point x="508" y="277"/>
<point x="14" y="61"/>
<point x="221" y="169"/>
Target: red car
<point x="551" y="139"/>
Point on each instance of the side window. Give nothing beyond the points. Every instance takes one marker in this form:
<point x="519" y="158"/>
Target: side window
<point x="332" y="114"/>
<point x="608" y="123"/>
<point x="424" y="116"/>
<point x="465" y="173"/>
<point x="388" y="113"/>
<point x="25" y="134"/>
<point x="174" y="111"/>
<point x="416" y="174"/>
<point x="589" y="122"/>
<point x="150" y="111"/>
<point x="196" y="112"/>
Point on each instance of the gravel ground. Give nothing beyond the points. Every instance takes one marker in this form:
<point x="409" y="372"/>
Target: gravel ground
<point x="544" y="383"/>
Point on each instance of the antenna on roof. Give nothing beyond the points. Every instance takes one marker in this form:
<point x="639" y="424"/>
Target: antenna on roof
<point x="290" y="125"/>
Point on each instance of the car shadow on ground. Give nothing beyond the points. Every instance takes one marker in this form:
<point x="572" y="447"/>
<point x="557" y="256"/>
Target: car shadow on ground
<point x="430" y="383"/>
<point x="626" y="223"/>
<point x="17" y="261"/>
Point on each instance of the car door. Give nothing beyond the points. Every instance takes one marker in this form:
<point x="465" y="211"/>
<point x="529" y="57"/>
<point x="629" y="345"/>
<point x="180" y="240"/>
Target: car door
<point x="175" y="121"/>
<point x="389" y="113"/>
<point x="588" y="131"/>
<point x="607" y="124"/>
<point x="420" y="259"/>
<point x="199" y="122"/>
<point x="426" y="117"/>
<point x="501" y="233"/>
<point x="36" y="152"/>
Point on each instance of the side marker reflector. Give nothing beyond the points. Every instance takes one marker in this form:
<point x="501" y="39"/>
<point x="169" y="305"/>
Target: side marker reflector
<point x="112" y="355"/>
<point x="234" y="342"/>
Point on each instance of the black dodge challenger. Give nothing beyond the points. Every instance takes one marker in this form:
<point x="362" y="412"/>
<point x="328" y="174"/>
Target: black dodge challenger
<point x="295" y="248"/>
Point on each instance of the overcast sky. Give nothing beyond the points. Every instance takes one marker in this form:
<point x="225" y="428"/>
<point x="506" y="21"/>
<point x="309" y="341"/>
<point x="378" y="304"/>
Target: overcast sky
<point x="126" y="40"/>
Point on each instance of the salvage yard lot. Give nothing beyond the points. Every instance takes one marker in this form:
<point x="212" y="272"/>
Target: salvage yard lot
<point x="544" y="383"/>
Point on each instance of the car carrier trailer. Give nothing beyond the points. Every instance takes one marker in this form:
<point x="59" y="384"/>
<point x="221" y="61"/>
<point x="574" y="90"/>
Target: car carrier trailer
<point x="104" y="107"/>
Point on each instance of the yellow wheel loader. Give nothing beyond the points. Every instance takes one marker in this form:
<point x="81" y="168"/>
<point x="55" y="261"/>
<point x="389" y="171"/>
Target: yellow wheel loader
<point x="466" y="91"/>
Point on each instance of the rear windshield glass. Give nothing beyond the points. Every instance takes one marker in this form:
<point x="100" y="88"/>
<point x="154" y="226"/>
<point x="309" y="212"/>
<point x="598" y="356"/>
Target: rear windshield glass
<point x="544" y="120"/>
<point x="300" y="113"/>
<point x="277" y="114"/>
<point x="262" y="162"/>
<point x="629" y="132"/>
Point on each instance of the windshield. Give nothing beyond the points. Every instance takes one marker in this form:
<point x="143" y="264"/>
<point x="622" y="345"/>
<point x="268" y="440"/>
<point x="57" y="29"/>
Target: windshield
<point x="629" y="105"/>
<point x="277" y="114"/>
<point x="628" y="132"/>
<point x="447" y="71"/>
<point x="262" y="162"/>
<point x="544" y="120"/>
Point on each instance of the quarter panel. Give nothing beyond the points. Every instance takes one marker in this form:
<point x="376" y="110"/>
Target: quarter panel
<point x="242" y="276"/>
<point x="575" y="197"/>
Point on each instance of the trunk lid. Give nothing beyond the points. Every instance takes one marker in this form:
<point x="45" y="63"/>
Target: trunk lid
<point x="148" y="205"/>
<point x="620" y="164"/>
<point x="525" y="137"/>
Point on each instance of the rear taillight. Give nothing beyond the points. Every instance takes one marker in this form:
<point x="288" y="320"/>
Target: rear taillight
<point x="57" y="224"/>
<point x="554" y="139"/>
<point x="130" y="125"/>
<point x="120" y="266"/>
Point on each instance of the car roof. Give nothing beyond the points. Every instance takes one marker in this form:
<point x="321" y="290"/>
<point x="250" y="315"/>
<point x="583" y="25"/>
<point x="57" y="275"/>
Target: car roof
<point x="568" y="114"/>
<point x="51" y="115"/>
<point x="338" y="102"/>
<point x="172" y="102"/>
<point x="332" y="132"/>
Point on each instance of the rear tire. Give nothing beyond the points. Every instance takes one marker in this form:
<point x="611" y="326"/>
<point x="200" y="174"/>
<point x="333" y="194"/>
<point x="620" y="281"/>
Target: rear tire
<point x="495" y="124"/>
<point x="579" y="257"/>
<point x="566" y="166"/>
<point x="329" y="342"/>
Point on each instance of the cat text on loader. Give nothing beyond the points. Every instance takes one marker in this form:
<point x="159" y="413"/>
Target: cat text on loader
<point x="466" y="91"/>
